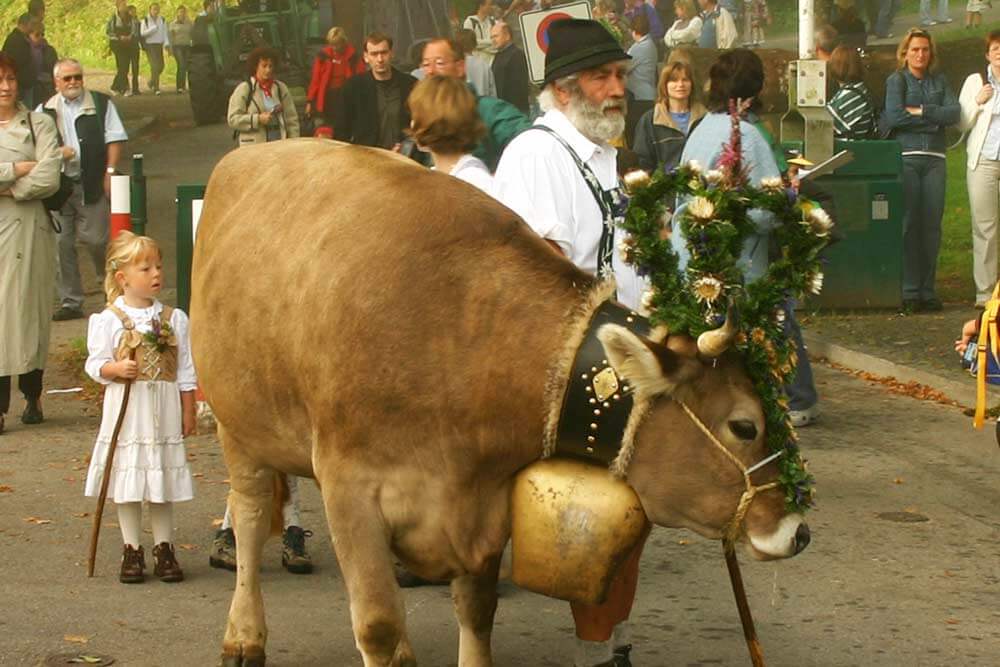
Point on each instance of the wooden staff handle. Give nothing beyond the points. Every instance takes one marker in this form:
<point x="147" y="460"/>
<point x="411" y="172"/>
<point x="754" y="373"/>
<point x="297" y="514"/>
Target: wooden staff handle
<point x="95" y="529"/>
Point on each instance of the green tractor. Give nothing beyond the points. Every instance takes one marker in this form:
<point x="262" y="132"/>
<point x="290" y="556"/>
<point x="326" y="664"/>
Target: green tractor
<point x="225" y="36"/>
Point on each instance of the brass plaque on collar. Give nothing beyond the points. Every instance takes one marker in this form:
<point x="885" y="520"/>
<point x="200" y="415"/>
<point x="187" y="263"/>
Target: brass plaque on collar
<point x="605" y="384"/>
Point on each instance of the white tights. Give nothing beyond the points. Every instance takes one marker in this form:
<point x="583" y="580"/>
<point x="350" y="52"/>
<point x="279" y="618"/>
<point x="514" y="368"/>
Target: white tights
<point x="161" y="517"/>
<point x="289" y="511"/>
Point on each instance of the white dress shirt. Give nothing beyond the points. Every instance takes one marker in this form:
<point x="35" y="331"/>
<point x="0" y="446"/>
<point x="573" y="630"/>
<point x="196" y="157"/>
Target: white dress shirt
<point x="155" y="31"/>
<point x="472" y="170"/>
<point x="67" y="111"/>
<point x="539" y="180"/>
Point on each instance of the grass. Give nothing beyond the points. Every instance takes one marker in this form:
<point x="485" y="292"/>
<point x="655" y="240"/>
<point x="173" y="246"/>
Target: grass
<point x="954" y="275"/>
<point x="69" y="359"/>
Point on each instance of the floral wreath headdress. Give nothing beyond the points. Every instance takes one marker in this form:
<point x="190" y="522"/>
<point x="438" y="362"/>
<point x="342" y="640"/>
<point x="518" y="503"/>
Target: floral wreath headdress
<point x="715" y="223"/>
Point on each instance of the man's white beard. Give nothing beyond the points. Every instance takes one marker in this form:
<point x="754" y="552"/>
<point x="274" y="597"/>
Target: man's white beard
<point x="591" y="119"/>
<point x="73" y="93"/>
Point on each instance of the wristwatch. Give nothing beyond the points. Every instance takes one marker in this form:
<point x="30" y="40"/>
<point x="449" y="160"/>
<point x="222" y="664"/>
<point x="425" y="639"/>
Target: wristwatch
<point x="111" y="170"/>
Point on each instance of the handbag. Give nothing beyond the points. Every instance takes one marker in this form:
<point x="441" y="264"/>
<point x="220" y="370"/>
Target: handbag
<point x="55" y="201"/>
<point x="985" y="366"/>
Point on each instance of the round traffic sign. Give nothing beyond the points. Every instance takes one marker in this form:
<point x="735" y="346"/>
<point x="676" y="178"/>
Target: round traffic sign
<point x="542" y="32"/>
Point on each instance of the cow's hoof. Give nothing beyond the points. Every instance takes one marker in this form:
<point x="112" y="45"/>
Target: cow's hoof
<point x="248" y="659"/>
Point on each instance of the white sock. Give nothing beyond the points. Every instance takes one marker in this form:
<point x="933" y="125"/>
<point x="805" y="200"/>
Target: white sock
<point x="290" y="510"/>
<point x="227" y="521"/>
<point x="589" y="654"/>
<point x="623" y="634"/>
<point x="161" y="516"/>
<point x="130" y="521"/>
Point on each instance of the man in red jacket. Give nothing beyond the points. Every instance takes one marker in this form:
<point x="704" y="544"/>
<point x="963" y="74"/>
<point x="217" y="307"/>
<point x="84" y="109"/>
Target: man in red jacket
<point x="331" y="69"/>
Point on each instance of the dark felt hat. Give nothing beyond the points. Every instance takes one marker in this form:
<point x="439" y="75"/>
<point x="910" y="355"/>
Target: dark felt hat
<point x="579" y="44"/>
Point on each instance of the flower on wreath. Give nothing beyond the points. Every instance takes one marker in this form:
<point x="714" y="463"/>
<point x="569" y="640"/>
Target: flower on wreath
<point x="707" y="289"/>
<point x="695" y="167"/>
<point x="818" y="221"/>
<point x="780" y="316"/>
<point x="757" y="335"/>
<point x="701" y="209"/>
<point x="816" y="282"/>
<point x="636" y="180"/>
<point x="772" y="183"/>
<point x="647" y="299"/>
<point x="714" y="176"/>
<point x="161" y="336"/>
<point x="626" y="249"/>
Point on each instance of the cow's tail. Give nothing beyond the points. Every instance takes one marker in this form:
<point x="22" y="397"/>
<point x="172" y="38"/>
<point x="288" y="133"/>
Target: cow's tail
<point x="278" y="502"/>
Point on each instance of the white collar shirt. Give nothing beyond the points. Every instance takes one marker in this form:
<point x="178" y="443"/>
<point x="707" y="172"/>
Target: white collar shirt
<point x="539" y="180"/>
<point x="67" y="111"/>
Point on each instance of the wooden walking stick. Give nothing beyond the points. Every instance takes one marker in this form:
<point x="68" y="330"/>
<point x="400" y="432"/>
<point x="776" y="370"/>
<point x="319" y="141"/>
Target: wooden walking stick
<point x="736" y="579"/>
<point x="95" y="530"/>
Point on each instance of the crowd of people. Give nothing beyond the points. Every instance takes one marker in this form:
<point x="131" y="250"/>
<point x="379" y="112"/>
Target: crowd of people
<point x="619" y="92"/>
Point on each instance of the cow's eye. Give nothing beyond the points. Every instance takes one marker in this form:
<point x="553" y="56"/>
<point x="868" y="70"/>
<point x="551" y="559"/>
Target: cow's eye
<point x="743" y="429"/>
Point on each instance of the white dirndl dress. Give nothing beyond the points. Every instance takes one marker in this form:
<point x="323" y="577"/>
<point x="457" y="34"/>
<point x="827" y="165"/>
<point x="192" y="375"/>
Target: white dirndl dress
<point x="150" y="460"/>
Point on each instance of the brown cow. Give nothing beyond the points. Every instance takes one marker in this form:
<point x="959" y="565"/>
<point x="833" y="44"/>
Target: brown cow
<point x="401" y="337"/>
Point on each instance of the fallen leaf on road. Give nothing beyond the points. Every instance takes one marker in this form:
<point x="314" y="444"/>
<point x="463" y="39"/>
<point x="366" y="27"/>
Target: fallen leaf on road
<point x="6" y="489"/>
<point x="898" y="480"/>
<point x="82" y="515"/>
<point x="188" y="547"/>
<point x="216" y="522"/>
<point x="198" y="475"/>
<point x="35" y="520"/>
<point x="69" y="479"/>
<point x="683" y="542"/>
<point x="86" y="660"/>
<point x="76" y="639"/>
<point x="952" y="621"/>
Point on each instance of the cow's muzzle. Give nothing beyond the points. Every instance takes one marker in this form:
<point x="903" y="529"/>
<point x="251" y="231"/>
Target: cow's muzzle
<point x="790" y="538"/>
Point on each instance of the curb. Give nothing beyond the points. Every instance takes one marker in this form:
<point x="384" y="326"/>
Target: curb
<point x="964" y="393"/>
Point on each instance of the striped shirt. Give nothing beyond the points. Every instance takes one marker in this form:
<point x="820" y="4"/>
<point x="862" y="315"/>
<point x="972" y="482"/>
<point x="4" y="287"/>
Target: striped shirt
<point x="852" y="111"/>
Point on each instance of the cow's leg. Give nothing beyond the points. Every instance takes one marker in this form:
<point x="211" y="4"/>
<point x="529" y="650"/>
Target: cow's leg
<point x="250" y="498"/>
<point x="362" y="545"/>
<point x="475" y="605"/>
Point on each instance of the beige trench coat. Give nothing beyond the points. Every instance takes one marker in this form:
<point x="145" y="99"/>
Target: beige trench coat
<point x="27" y="243"/>
<point x="244" y="113"/>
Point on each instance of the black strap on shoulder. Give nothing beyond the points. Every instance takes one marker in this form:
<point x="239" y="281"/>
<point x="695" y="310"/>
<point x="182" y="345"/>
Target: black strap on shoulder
<point x="56" y="227"/>
<point x="603" y="199"/>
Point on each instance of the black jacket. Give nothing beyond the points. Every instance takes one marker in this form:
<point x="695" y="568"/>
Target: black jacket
<point x="510" y="71"/>
<point x="356" y="117"/>
<point x="18" y="47"/>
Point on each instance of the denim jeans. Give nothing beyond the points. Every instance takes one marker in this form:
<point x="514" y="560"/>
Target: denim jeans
<point x="886" y="11"/>
<point x="925" y="11"/>
<point x="923" y="193"/>
<point x="801" y="389"/>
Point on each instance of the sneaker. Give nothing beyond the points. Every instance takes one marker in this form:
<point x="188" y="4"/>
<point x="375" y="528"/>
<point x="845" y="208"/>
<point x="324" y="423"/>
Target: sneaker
<point x="621" y="658"/>
<point x="928" y="24"/>
<point x="223" y="554"/>
<point x="133" y="564"/>
<point x="165" y="564"/>
<point x="931" y="305"/>
<point x="805" y="417"/>
<point x="909" y="306"/>
<point x="67" y="313"/>
<point x="293" y="552"/>
<point x="32" y="413"/>
<point x="156" y="92"/>
<point x="129" y="93"/>
<point x="947" y="20"/>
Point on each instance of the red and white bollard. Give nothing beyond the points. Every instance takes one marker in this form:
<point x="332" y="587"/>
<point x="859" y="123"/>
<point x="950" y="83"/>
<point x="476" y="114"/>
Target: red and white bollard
<point x="121" y="204"/>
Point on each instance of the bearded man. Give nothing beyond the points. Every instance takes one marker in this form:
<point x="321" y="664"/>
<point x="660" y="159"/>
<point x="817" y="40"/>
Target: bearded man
<point x="561" y="177"/>
<point x="92" y="137"/>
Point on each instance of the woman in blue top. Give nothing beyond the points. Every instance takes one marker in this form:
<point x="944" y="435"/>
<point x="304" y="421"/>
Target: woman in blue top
<point x="662" y="131"/>
<point x="919" y="104"/>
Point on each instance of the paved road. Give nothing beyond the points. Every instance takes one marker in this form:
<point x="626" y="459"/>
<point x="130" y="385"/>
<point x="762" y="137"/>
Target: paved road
<point x="871" y="590"/>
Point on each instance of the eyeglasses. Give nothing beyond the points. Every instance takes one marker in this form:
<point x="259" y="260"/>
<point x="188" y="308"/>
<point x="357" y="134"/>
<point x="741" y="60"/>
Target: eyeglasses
<point x="437" y="62"/>
<point x="71" y="77"/>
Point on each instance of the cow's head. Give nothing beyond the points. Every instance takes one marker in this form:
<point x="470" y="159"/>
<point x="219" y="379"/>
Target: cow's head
<point x="683" y="478"/>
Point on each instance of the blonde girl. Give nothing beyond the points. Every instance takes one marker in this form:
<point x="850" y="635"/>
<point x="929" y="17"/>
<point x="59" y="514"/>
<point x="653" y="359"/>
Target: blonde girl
<point x="136" y="338"/>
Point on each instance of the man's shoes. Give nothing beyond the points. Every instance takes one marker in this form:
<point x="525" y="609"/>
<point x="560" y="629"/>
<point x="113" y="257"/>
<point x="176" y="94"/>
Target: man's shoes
<point x="165" y="564"/>
<point x="805" y="417"/>
<point x="931" y="305"/>
<point x="32" y="412"/>
<point x="909" y="306"/>
<point x="223" y="554"/>
<point x="66" y="313"/>
<point x="928" y="24"/>
<point x="621" y="658"/>
<point x="293" y="552"/>
<point x="133" y="564"/>
<point x="947" y="20"/>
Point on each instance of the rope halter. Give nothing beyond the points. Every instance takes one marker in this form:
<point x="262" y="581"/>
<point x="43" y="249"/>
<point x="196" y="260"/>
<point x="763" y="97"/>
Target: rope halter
<point x="732" y="529"/>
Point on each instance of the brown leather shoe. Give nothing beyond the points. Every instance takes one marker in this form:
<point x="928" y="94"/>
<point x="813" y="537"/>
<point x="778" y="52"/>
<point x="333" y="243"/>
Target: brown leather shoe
<point x="133" y="564"/>
<point x="165" y="564"/>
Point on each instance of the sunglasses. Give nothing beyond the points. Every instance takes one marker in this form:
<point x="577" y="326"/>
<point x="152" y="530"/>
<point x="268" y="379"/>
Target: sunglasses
<point x="72" y="77"/>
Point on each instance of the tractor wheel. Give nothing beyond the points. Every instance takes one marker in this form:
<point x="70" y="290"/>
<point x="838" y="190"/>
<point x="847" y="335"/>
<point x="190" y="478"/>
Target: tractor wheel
<point x="207" y="104"/>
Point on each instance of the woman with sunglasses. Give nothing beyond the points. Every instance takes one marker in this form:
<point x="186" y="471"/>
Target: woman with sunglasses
<point x="29" y="171"/>
<point x="919" y="105"/>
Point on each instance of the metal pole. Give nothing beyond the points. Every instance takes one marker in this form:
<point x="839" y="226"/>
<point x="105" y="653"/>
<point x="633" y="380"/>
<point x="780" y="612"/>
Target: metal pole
<point x="138" y="196"/>
<point x="807" y="30"/>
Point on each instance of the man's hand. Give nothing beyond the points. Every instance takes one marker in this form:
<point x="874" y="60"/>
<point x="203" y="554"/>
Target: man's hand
<point x="67" y="153"/>
<point x="984" y="94"/>
<point x="22" y="169"/>
<point x="915" y="111"/>
<point x="969" y="330"/>
<point x="309" y="109"/>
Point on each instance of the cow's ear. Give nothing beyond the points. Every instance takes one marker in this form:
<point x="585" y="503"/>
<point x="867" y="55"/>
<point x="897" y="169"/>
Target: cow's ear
<point x="649" y="367"/>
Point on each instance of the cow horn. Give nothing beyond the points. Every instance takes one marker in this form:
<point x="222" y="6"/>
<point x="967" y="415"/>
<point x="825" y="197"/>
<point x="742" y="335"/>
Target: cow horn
<point x="713" y="343"/>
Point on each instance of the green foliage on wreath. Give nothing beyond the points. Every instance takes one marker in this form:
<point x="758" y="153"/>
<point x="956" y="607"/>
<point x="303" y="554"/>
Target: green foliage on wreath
<point x="715" y="223"/>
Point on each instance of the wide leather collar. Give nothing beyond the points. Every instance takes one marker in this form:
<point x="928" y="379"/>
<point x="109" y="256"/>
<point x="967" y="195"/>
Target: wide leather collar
<point x="597" y="403"/>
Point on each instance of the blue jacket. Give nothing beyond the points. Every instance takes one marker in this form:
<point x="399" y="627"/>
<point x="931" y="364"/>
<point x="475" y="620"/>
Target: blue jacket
<point x="937" y="100"/>
<point x="642" y="77"/>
